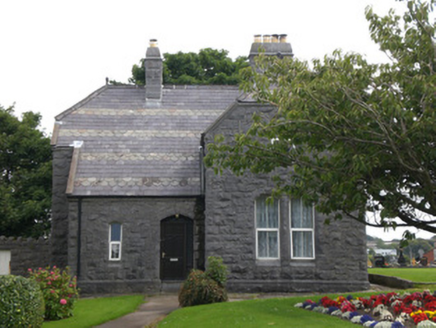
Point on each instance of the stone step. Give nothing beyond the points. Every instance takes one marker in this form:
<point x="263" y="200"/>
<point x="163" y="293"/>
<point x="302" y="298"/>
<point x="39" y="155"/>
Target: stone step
<point x="170" y="286"/>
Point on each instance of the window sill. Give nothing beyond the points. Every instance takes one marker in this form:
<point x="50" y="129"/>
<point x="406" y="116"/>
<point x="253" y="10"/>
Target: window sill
<point x="302" y="263"/>
<point x="268" y="262"/>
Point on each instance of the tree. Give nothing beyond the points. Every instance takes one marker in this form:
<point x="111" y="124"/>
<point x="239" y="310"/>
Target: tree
<point x="209" y="66"/>
<point x="25" y="183"/>
<point x="356" y="138"/>
<point x="413" y="247"/>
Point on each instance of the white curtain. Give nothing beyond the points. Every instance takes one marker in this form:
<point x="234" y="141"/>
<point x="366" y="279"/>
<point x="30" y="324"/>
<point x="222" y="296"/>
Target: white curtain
<point x="302" y="229"/>
<point x="267" y="218"/>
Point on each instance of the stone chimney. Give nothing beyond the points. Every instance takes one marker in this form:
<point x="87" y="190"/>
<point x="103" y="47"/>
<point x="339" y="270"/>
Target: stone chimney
<point x="153" y="72"/>
<point x="270" y="45"/>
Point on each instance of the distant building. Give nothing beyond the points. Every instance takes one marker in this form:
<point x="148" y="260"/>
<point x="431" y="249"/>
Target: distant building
<point x="385" y="252"/>
<point x="431" y="255"/>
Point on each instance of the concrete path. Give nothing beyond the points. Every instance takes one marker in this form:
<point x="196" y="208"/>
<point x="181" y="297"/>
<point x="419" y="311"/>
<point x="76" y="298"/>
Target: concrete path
<point x="154" y="310"/>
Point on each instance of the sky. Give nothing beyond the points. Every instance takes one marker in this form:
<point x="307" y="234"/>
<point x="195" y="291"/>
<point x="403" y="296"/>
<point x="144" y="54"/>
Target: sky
<point x="55" y="53"/>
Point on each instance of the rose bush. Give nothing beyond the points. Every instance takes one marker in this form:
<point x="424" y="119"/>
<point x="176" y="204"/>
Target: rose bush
<point x="59" y="290"/>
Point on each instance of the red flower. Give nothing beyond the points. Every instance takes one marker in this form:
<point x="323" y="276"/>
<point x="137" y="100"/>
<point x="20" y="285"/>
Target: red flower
<point x="417" y="318"/>
<point x="366" y="302"/>
<point x="327" y="302"/>
<point x="431" y="306"/>
<point x="346" y="306"/>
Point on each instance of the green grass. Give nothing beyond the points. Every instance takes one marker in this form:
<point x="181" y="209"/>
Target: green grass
<point x="412" y="274"/>
<point x="278" y="312"/>
<point x="95" y="311"/>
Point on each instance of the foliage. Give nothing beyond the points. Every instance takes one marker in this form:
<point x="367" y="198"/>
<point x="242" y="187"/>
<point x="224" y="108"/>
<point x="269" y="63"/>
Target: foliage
<point x="209" y="66"/>
<point x="25" y="187"/>
<point x="59" y="291"/>
<point x="216" y="270"/>
<point x="355" y="138"/>
<point x="413" y="247"/>
<point x="198" y="289"/>
<point x="92" y="312"/>
<point x="21" y="302"/>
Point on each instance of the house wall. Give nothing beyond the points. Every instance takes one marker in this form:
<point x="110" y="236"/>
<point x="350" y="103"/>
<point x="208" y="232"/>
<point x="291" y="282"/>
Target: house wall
<point x="139" y="267"/>
<point x="340" y="262"/>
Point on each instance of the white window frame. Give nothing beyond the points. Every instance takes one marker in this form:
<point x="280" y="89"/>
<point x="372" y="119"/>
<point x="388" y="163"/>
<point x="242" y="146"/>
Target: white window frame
<point x="312" y="230"/>
<point x="113" y="243"/>
<point x="277" y="230"/>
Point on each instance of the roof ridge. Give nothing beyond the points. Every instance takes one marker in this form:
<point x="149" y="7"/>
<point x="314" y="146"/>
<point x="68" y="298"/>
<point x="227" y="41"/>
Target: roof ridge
<point x="200" y="86"/>
<point x="82" y="102"/>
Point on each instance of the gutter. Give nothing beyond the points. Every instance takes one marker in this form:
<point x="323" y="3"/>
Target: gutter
<point x="79" y="235"/>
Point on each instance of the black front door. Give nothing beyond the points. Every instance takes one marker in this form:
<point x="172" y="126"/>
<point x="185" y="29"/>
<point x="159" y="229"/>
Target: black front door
<point x="176" y="248"/>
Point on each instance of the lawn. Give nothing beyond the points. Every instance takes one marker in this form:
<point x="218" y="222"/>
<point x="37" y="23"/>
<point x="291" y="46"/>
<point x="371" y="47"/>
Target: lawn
<point x="95" y="311"/>
<point x="412" y="274"/>
<point x="278" y="312"/>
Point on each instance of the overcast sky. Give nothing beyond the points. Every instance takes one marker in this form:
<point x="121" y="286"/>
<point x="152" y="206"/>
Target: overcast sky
<point x="55" y="53"/>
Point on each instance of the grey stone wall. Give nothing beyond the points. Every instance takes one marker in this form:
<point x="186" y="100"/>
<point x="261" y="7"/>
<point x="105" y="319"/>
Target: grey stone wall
<point x="139" y="267"/>
<point x="340" y="248"/>
<point x="26" y="253"/>
<point x="392" y="282"/>
<point x="59" y="225"/>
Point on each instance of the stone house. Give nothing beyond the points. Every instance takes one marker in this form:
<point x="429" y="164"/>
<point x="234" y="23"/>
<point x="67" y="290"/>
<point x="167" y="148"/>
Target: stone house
<point x="134" y="209"/>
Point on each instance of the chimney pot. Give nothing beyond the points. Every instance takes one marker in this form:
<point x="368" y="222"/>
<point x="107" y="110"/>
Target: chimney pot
<point x="278" y="47"/>
<point x="153" y="43"/>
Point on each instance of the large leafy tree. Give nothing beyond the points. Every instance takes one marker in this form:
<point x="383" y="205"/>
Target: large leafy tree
<point x="209" y="66"/>
<point x="25" y="181"/>
<point x="356" y="138"/>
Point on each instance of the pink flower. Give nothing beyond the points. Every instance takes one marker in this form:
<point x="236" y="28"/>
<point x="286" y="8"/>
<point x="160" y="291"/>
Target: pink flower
<point x="49" y="283"/>
<point x="30" y="270"/>
<point x="52" y="291"/>
<point x="54" y="266"/>
<point x="63" y="301"/>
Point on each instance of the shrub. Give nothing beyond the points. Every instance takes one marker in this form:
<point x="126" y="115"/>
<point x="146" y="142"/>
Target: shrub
<point x="59" y="291"/>
<point x="21" y="302"/>
<point x="216" y="270"/>
<point x="198" y="289"/>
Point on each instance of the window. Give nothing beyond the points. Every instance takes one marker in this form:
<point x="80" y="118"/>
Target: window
<point x="302" y="232"/>
<point x="267" y="228"/>
<point x="115" y="235"/>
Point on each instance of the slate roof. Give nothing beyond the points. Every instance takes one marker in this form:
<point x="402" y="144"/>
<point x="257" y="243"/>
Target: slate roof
<point x="136" y="148"/>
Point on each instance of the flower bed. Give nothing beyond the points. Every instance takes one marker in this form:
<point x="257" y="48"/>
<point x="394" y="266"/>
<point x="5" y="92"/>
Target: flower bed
<point x="381" y="311"/>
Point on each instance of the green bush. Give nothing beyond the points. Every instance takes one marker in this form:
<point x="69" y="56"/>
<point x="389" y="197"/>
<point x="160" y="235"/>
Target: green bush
<point x="198" y="289"/>
<point x="59" y="291"/>
<point x="21" y="303"/>
<point x="216" y="270"/>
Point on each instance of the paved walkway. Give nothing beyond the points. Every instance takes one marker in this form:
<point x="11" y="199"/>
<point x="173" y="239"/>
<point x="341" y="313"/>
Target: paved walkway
<point x="154" y="310"/>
